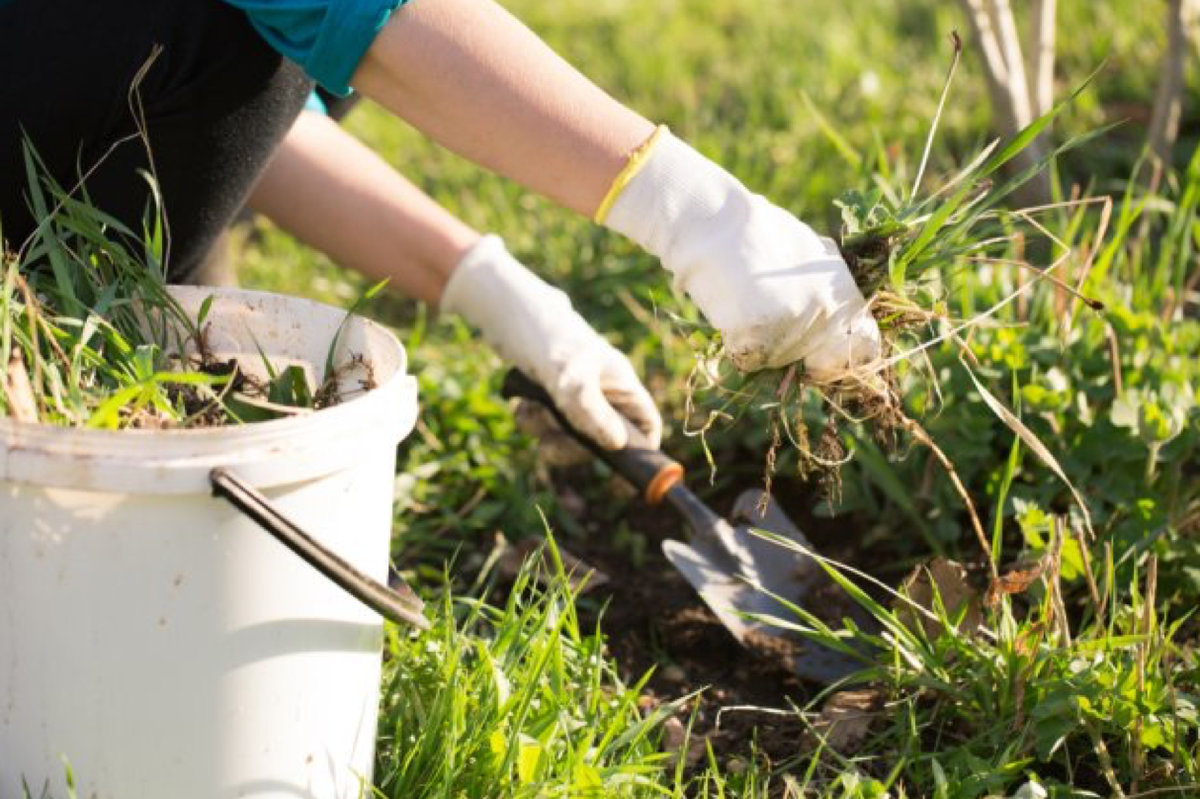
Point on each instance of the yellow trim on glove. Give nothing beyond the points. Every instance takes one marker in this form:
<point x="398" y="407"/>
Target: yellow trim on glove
<point x="636" y="161"/>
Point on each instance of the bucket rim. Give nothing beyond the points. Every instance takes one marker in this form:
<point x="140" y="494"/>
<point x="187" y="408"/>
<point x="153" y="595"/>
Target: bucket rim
<point x="178" y="460"/>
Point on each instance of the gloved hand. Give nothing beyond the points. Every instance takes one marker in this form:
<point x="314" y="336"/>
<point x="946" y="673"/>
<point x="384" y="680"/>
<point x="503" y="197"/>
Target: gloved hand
<point x="776" y="291"/>
<point x="533" y="326"/>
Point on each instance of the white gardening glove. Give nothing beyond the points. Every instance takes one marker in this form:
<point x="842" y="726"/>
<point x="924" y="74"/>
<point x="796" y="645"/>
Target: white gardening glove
<point x="533" y="326"/>
<point x="776" y="291"/>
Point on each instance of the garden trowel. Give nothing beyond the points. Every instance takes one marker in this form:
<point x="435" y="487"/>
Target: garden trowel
<point x="742" y="576"/>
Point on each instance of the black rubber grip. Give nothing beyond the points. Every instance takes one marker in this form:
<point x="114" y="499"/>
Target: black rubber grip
<point x="638" y="465"/>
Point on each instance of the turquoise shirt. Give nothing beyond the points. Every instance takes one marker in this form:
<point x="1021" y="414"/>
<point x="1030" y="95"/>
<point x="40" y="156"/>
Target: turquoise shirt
<point x="326" y="37"/>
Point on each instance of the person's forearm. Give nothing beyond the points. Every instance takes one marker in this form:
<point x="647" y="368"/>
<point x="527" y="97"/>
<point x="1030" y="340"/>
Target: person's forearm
<point x="479" y="82"/>
<point x="332" y="192"/>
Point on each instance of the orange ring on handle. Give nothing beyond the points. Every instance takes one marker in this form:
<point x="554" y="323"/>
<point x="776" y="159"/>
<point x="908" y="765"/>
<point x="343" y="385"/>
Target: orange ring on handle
<point x="663" y="482"/>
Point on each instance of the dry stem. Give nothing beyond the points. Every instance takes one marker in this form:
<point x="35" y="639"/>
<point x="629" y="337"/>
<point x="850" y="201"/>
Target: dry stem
<point x="1058" y="524"/>
<point x="1146" y="628"/>
<point x="923" y="437"/>
<point x="1093" y="590"/>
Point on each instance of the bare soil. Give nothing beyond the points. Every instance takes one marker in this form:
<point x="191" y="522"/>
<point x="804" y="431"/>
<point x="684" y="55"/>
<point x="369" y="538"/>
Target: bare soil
<point x="654" y="620"/>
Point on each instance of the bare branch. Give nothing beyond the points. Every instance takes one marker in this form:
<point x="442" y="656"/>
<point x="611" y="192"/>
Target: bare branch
<point x="1010" y="45"/>
<point x="1041" y="58"/>
<point x="985" y="36"/>
<point x="995" y="31"/>
<point x="1191" y="22"/>
<point x="1168" y="101"/>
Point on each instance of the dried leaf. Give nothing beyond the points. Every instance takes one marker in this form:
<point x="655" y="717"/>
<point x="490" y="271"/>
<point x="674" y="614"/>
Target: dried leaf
<point x="951" y="581"/>
<point x="1016" y="581"/>
<point x="676" y="737"/>
<point x="1029" y="639"/>
<point x="846" y="718"/>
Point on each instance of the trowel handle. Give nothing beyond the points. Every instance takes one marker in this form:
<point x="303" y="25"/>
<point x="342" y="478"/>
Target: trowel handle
<point x="651" y="471"/>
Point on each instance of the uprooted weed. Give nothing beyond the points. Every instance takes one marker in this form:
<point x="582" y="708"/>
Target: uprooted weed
<point x="903" y="252"/>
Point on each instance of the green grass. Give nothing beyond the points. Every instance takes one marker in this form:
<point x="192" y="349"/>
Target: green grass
<point x="516" y="700"/>
<point x="981" y="702"/>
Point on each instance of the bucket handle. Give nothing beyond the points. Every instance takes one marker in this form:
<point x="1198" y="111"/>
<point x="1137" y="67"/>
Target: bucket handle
<point x="400" y="606"/>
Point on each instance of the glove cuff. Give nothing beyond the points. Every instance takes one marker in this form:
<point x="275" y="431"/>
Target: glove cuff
<point x="488" y="280"/>
<point x="632" y="167"/>
<point x="516" y="311"/>
<point x="674" y="194"/>
<point x="462" y="288"/>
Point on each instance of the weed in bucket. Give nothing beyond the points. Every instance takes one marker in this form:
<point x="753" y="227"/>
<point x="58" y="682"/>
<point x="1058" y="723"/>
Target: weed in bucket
<point x="90" y="335"/>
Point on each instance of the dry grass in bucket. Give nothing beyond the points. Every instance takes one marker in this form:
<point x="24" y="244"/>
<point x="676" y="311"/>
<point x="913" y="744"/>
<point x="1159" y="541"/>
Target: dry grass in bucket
<point x="903" y="251"/>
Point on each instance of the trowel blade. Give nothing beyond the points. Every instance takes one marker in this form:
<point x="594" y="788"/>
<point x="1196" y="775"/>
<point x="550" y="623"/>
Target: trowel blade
<point x="725" y="566"/>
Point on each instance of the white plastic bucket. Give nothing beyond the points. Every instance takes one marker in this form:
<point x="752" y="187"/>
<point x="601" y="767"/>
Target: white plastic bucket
<point x="158" y="640"/>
